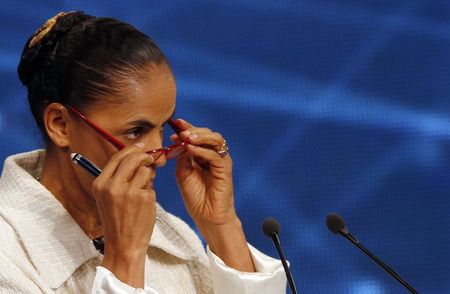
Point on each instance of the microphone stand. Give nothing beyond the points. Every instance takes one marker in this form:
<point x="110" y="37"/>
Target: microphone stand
<point x="345" y="233"/>
<point x="289" y="277"/>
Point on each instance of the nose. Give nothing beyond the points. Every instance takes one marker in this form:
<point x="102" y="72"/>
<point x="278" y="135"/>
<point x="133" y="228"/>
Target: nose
<point x="153" y="142"/>
<point x="160" y="157"/>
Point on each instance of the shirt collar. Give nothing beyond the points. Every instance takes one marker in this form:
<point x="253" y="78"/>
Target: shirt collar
<point x="55" y="243"/>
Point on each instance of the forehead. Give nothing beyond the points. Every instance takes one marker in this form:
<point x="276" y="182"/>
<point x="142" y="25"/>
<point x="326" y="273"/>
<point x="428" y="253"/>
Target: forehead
<point x="150" y="95"/>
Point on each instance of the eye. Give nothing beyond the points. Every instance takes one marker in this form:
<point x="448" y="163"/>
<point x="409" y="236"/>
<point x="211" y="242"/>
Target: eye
<point x="134" y="134"/>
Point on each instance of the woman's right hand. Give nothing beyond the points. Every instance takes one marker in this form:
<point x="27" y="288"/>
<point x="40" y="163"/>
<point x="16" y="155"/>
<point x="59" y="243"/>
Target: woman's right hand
<point x="126" y="203"/>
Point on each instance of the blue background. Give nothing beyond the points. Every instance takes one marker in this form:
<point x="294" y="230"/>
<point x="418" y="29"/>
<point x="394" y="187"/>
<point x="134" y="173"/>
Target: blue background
<point x="327" y="106"/>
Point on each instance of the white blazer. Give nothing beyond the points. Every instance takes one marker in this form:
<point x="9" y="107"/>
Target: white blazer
<point x="43" y="250"/>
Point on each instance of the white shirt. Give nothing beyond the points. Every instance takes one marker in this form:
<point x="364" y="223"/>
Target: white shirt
<point x="43" y="250"/>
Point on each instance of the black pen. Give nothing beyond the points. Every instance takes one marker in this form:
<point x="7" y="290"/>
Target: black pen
<point x="86" y="164"/>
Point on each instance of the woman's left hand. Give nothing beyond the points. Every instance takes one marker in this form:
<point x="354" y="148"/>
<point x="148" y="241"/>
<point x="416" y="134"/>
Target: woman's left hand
<point x="206" y="184"/>
<point x="204" y="177"/>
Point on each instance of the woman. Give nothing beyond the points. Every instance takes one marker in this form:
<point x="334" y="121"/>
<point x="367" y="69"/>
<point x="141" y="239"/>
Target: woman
<point x="101" y="88"/>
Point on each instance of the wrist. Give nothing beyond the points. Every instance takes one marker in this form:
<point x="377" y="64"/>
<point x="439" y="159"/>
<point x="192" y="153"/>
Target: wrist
<point x="220" y="231"/>
<point x="228" y="242"/>
<point x="127" y="265"/>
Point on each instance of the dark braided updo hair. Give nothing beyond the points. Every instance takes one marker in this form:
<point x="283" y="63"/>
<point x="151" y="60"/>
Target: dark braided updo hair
<point x="82" y="59"/>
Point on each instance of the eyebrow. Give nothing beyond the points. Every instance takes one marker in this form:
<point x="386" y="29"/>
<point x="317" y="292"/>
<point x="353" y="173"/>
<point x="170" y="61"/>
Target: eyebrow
<point x="146" y="123"/>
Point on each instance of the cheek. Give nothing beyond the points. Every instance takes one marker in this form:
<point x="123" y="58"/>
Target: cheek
<point x="98" y="154"/>
<point x="95" y="149"/>
<point x="92" y="146"/>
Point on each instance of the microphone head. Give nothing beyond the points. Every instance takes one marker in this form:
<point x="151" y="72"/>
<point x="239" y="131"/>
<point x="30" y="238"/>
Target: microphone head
<point x="335" y="223"/>
<point x="271" y="226"/>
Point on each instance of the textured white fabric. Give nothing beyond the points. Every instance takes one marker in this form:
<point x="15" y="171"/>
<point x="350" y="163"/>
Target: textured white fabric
<point x="43" y="250"/>
<point x="105" y="282"/>
<point x="268" y="278"/>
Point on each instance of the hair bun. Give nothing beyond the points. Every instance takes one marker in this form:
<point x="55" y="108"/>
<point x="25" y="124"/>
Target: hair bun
<point x="41" y="45"/>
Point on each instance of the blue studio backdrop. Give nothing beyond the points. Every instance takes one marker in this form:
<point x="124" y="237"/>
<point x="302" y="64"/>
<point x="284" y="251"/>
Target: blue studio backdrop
<point x="328" y="106"/>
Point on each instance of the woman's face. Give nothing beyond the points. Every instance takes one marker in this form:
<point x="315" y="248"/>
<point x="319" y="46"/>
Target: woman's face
<point x="139" y="117"/>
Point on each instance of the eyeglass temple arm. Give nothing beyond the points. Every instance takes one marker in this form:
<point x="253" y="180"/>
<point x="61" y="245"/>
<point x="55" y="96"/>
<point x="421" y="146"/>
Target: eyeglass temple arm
<point x="119" y="145"/>
<point x="101" y="132"/>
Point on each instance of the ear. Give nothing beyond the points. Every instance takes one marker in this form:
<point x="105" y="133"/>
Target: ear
<point x="57" y="120"/>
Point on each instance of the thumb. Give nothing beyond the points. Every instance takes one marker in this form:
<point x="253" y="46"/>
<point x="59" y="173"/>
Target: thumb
<point x="183" y="166"/>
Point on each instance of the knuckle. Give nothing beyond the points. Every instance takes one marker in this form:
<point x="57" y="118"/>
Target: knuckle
<point x="111" y="190"/>
<point x="144" y="171"/>
<point x="132" y="157"/>
<point x="218" y="135"/>
<point x="97" y="187"/>
<point x="116" y="157"/>
<point x="140" y="157"/>
<point x="143" y="196"/>
<point x="147" y="193"/>
<point x="132" y="194"/>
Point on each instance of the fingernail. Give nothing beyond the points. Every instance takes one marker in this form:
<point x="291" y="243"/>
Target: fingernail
<point x="187" y="133"/>
<point x="181" y="120"/>
<point x="139" y="145"/>
<point x="193" y="136"/>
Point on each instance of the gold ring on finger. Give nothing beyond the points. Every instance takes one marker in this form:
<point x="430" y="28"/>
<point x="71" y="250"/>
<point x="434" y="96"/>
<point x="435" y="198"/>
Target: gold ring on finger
<point x="223" y="150"/>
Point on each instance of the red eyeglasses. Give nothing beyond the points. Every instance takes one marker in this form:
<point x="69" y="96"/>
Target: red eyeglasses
<point x="170" y="152"/>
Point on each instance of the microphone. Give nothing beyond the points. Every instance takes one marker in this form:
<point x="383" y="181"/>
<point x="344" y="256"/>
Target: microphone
<point x="336" y="225"/>
<point x="272" y="228"/>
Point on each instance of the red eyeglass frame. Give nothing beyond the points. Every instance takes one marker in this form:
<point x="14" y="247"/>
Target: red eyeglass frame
<point x="170" y="152"/>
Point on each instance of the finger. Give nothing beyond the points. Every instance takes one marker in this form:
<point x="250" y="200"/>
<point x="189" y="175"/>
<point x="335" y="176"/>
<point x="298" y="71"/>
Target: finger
<point x="142" y="177"/>
<point x="202" y="137"/>
<point x="193" y="130"/>
<point x="110" y="168"/>
<point x="130" y="164"/>
<point x="183" y="166"/>
<point x="175" y="139"/>
<point x="211" y="156"/>
<point x="181" y="125"/>
<point x="186" y="164"/>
